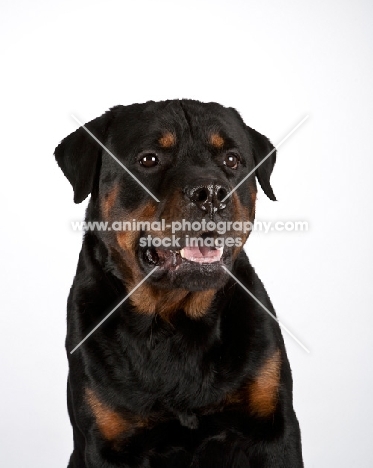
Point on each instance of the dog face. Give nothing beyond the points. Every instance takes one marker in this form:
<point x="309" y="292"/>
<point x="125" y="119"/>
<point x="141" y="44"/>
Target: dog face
<point x="189" y="155"/>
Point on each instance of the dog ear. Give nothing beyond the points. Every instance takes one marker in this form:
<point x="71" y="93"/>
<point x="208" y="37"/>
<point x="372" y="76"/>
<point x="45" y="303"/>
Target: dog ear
<point x="79" y="155"/>
<point x="261" y="148"/>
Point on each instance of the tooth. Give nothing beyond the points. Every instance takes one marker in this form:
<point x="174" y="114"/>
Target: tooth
<point x="182" y="253"/>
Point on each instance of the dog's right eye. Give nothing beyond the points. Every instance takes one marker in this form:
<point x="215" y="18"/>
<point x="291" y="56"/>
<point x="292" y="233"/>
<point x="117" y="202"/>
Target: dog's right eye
<point x="148" y="160"/>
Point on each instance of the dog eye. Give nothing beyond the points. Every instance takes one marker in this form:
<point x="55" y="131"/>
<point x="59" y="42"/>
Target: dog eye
<point x="149" y="160"/>
<point x="231" y="160"/>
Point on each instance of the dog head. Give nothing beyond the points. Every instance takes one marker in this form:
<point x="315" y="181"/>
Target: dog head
<point x="172" y="173"/>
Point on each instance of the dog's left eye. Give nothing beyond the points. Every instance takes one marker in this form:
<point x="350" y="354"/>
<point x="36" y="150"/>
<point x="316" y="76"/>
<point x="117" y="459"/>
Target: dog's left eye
<point x="149" y="160"/>
<point x="231" y="160"/>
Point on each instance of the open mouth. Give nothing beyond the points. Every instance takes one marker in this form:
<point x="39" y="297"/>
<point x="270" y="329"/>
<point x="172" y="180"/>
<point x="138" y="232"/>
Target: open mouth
<point x="202" y="254"/>
<point x="189" y="265"/>
<point x="172" y="259"/>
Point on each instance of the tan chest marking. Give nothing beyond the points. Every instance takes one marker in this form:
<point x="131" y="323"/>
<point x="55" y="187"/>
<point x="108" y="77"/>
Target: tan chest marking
<point x="110" y="423"/>
<point x="263" y="391"/>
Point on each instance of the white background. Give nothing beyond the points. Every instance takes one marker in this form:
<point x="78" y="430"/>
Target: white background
<point x="275" y="62"/>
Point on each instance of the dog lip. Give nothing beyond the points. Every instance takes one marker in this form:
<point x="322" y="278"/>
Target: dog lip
<point x="151" y="256"/>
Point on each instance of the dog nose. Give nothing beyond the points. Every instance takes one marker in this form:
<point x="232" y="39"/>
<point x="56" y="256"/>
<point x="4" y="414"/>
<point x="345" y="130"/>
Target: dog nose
<point x="208" y="196"/>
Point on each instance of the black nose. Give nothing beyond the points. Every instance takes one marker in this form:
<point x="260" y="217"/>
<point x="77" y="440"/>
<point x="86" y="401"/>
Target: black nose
<point x="208" y="196"/>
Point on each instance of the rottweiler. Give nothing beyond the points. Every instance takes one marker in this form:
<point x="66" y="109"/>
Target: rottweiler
<point x="186" y="369"/>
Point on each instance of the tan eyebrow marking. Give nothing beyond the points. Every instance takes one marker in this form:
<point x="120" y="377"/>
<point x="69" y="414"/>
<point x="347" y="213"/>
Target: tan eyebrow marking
<point x="216" y="140"/>
<point x="167" y="140"/>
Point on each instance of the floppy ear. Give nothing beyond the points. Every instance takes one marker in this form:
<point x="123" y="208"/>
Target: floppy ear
<point x="261" y="148"/>
<point x="79" y="155"/>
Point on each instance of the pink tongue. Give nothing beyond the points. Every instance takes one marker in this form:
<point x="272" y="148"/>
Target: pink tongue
<point x="202" y="254"/>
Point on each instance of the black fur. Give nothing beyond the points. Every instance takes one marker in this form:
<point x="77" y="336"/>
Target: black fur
<point x="176" y="372"/>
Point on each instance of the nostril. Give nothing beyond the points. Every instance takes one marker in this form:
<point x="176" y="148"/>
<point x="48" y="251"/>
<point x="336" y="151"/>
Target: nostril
<point x="208" y="196"/>
<point x="202" y="195"/>
<point x="221" y="194"/>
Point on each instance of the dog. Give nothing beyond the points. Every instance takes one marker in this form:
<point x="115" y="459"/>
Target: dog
<point x="185" y="369"/>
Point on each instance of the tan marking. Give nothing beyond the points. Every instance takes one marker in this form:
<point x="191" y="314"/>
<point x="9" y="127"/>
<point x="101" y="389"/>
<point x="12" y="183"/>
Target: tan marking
<point x="199" y="302"/>
<point x="263" y="392"/>
<point x="127" y="239"/>
<point x="173" y="210"/>
<point x="109" y="201"/>
<point x="217" y="141"/>
<point x="253" y="195"/>
<point x="240" y="213"/>
<point x="149" y="300"/>
<point x="167" y="140"/>
<point x="110" y="423"/>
